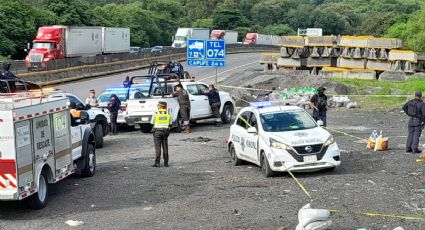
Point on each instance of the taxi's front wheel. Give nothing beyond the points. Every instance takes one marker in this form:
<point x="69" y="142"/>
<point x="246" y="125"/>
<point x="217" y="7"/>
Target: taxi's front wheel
<point x="265" y="167"/>
<point x="235" y="160"/>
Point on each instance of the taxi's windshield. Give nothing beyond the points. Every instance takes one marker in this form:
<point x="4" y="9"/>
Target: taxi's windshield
<point x="286" y="121"/>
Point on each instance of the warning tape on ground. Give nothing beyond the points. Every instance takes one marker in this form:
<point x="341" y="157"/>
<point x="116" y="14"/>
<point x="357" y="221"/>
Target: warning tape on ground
<point x="374" y="214"/>
<point x="289" y="171"/>
<point x="346" y="134"/>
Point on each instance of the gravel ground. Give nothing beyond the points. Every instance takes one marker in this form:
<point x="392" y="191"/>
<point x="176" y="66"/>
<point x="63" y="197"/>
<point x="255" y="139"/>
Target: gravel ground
<point x="202" y="190"/>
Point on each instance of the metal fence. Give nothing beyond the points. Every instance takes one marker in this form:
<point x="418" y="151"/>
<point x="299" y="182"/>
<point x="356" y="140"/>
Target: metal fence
<point x="20" y="67"/>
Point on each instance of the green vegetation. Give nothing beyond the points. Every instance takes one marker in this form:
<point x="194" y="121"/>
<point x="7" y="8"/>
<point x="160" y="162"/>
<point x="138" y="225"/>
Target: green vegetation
<point x="393" y="94"/>
<point x="153" y="22"/>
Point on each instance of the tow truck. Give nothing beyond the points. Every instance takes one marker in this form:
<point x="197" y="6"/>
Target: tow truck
<point x="41" y="144"/>
<point x="141" y="111"/>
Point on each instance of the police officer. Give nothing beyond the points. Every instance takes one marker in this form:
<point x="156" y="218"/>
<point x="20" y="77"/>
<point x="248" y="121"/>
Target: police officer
<point x="215" y="102"/>
<point x="415" y="109"/>
<point x="91" y="99"/>
<point x="319" y="103"/>
<point x="161" y="129"/>
<point x="184" y="103"/>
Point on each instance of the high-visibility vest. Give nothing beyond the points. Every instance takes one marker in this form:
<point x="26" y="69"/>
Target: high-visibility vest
<point x="75" y="113"/>
<point x="162" y="119"/>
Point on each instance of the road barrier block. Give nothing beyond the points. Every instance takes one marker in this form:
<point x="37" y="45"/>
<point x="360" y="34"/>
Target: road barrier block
<point x="403" y="55"/>
<point x="351" y="63"/>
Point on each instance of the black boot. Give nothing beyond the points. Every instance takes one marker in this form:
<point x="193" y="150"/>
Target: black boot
<point x="155" y="165"/>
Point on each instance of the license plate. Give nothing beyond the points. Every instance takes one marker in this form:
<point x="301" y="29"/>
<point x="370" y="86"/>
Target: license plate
<point x="142" y="106"/>
<point x="308" y="159"/>
<point x="145" y="118"/>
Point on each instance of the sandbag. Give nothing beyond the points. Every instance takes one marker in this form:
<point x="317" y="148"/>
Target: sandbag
<point x="309" y="217"/>
<point x="318" y="225"/>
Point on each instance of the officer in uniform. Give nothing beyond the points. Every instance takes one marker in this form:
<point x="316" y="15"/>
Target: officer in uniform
<point x="415" y="109"/>
<point x="319" y="104"/>
<point x="215" y="103"/>
<point x="184" y="103"/>
<point x="161" y="129"/>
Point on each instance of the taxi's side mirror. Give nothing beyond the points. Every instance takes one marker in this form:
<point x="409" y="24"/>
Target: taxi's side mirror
<point x="320" y="122"/>
<point x="252" y="130"/>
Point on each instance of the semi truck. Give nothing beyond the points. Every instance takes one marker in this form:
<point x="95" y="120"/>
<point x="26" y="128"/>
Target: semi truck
<point x="58" y="42"/>
<point x="261" y="39"/>
<point x="230" y="37"/>
<point x="183" y="34"/>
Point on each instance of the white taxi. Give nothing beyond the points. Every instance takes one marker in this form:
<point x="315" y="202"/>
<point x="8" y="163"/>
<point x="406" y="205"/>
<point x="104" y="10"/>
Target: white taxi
<point x="281" y="138"/>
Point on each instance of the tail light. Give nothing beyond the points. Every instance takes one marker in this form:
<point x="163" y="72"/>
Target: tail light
<point x="7" y="166"/>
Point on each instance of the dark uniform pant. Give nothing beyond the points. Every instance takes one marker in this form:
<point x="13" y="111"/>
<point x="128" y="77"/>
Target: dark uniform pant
<point x="185" y="115"/>
<point x="160" y="138"/>
<point x="215" y="107"/>
<point x="320" y="116"/>
<point x="114" y="117"/>
<point x="413" y="138"/>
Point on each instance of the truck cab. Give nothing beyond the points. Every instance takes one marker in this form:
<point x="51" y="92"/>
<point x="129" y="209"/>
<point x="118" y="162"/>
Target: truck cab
<point x="48" y="45"/>
<point x="217" y="35"/>
<point x="250" y="39"/>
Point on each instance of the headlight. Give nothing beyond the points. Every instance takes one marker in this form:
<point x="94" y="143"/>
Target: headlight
<point x="278" y="145"/>
<point x="330" y="141"/>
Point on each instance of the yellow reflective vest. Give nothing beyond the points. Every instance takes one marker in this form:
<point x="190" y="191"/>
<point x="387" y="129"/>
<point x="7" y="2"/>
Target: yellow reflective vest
<point x="162" y="120"/>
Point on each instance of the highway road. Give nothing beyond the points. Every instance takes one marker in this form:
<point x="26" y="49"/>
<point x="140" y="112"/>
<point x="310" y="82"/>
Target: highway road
<point x="234" y="63"/>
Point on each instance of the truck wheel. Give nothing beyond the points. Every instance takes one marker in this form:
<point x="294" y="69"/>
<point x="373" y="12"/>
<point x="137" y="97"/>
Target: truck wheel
<point x="265" y="167"/>
<point x="98" y="135"/>
<point x="146" y="128"/>
<point x="39" y="199"/>
<point x="235" y="160"/>
<point x="89" y="162"/>
<point x="226" y="115"/>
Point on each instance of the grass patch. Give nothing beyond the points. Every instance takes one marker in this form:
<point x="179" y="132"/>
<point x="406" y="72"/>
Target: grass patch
<point x="384" y="88"/>
<point x="408" y="87"/>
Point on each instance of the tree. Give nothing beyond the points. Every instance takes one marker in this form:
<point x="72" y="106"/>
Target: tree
<point x="329" y="21"/>
<point x="224" y="18"/>
<point x="203" y="23"/>
<point x="278" y="29"/>
<point x="70" y="12"/>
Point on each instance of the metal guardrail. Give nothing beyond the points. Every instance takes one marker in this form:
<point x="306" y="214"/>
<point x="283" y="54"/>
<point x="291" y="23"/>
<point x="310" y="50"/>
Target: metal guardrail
<point x="19" y="67"/>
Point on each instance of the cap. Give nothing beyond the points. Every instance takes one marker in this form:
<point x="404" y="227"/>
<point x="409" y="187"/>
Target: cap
<point x="162" y="103"/>
<point x="418" y="94"/>
<point x="92" y="90"/>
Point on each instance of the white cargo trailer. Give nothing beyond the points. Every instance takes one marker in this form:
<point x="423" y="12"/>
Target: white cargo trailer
<point x="184" y="34"/>
<point x="83" y="41"/>
<point x="115" y="40"/>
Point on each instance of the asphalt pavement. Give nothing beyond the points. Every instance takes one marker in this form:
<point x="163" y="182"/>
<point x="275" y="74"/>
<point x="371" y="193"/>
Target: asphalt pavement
<point x="234" y="63"/>
<point x="202" y="190"/>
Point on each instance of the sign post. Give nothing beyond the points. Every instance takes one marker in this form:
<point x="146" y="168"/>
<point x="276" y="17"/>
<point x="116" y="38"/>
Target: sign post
<point x="206" y="53"/>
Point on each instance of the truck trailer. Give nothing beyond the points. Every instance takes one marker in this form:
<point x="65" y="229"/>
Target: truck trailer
<point x="261" y="39"/>
<point x="230" y="37"/>
<point x="58" y="42"/>
<point x="184" y="34"/>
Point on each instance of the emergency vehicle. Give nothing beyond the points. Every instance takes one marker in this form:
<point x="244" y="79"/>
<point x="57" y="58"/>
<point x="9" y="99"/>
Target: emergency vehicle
<point x="41" y="144"/>
<point x="141" y="111"/>
<point x="281" y="138"/>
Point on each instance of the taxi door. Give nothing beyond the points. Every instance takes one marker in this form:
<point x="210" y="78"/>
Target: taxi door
<point x="251" y="139"/>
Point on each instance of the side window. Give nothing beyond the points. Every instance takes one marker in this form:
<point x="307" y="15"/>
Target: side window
<point x="202" y="88"/>
<point x="243" y="120"/>
<point x="192" y="89"/>
<point x="253" y="121"/>
<point x="75" y="100"/>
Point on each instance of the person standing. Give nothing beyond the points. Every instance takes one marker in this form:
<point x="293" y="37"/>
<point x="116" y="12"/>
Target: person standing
<point x="161" y="130"/>
<point x="113" y="107"/>
<point x="415" y="109"/>
<point x="215" y="102"/>
<point x="91" y="99"/>
<point x="319" y="103"/>
<point x="184" y="103"/>
<point x="7" y="75"/>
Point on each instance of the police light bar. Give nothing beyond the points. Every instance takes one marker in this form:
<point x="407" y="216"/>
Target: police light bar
<point x="260" y="104"/>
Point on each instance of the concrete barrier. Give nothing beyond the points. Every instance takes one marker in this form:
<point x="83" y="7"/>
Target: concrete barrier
<point x="53" y="77"/>
<point x="392" y="76"/>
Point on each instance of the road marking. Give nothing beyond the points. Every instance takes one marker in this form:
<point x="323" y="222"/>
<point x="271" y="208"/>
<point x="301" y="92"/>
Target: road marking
<point x="237" y="67"/>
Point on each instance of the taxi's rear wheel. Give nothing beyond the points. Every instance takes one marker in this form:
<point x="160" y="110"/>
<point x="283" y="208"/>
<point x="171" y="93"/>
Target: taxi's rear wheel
<point x="235" y="160"/>
<point x="265" y="167"/>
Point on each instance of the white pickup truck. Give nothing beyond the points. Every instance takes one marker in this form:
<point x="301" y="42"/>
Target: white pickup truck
<point x="141" y="111"/>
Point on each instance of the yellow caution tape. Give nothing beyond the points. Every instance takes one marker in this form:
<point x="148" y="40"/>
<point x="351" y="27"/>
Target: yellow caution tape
<point x="374" y="214"/>
<point x="346" y="134"/>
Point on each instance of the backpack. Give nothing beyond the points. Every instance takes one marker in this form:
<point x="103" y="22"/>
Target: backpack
<point x="412" y="108"/>
<point x="321" y="103"/>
